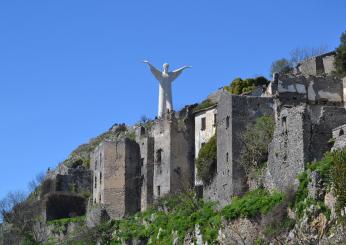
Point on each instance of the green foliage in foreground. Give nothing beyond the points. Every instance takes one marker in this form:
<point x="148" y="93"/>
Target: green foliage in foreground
<point x="206" y="160"/>
<point x="332" y="169"/>
<point x="240" y="86"/>
<point x="253" y="203"/>
<point x="178" y="215"/>
<point x="64" y="221"/>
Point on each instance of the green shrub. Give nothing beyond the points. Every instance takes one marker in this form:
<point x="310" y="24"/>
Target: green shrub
<point x="340" y="58"/>
<point x="181" y="215"/>
<point x="206" y="161"/>
<point x="64" y="221"/>
<point x="253" y="203"/>
<point x="239" y="86"/>
<point x="280" y="66"/>
<point x="338" y="176"/>
<point x="256" y="140"/>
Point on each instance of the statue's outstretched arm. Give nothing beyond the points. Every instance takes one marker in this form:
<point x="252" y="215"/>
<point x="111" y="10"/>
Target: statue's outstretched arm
<point x="174" y="74"/>
<point x="153" y="70"/>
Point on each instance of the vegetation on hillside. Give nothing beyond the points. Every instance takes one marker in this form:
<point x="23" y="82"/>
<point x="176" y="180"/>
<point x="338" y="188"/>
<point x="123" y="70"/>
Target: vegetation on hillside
<point x="239" y="86"/>
<point x="332" y="170"/>
<point x="178" y="215"/>
<point x="206" y="161"/>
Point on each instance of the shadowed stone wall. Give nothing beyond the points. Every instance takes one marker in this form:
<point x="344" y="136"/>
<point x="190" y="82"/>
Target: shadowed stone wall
<point x="116" y="177"/>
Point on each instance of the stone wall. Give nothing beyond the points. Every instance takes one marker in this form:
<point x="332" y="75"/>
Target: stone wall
<point x="116" y="177"/>
<point x="288" y="151"/>
<point x="318" y="65"/>
<point x="173" y="152"/>
<point x="235" y="114"/>
<point x="321" y="90"/>
<point x="302" y="134"/>
<point x="339" y="136"/>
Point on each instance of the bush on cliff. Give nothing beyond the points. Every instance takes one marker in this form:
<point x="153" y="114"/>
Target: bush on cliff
<point x="332" y="170"/>
<point x="239" y="86"/>
<point x="176" y="216"/>
<point x="253" y="203"/>
<point x="206" y="161"/>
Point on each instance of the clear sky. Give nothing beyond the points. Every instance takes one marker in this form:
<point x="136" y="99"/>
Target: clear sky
<point x="69" y="69"/>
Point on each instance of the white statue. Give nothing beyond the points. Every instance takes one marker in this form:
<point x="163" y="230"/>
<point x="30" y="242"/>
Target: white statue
<point x="165" y="79"/>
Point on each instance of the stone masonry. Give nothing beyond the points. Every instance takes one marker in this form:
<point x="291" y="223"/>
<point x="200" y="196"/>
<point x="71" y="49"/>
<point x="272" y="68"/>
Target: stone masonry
<point x="173" y="152"/>
<point x="116" y="177"/>
<point x="235" y="114"/>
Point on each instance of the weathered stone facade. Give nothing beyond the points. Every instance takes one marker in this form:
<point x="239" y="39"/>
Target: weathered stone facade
<point x="307" y="109"/>
<point x="235" y="114"/>
<point x="173" y="152"/>
<point x="116" y="177"/>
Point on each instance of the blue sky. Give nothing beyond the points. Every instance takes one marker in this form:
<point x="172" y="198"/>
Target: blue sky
<point x="71" y="69"/>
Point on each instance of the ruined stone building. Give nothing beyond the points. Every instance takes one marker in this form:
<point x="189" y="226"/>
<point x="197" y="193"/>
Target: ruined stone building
<point x="116" y="177"/>
<point x="307" y="104"/>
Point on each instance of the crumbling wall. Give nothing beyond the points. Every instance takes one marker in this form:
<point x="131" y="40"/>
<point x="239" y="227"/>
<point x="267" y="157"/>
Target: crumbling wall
<point x="288" y="151"/>
<point x="235" y="114"/>
<point x="116" y="177"/>
<point x="302" y="134"/>
<point x="173" y="152"/>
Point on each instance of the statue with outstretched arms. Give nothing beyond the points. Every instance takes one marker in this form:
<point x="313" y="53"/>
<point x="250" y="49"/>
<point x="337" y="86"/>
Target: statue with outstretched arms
<point x="165" y="79"/>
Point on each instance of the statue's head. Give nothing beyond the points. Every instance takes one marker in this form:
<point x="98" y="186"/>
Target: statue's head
<point x="165" y="66"/>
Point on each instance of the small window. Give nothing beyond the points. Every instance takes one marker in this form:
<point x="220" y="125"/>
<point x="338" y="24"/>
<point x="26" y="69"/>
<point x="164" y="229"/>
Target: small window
<point x="284" y="124"/>
<point x="214" y="120"/>
<point x="227" y="122"/>
<point x="100" y="178"/>
<point x="142" y="131"/>
<point x="142" y="162"/>
<point x="158" y="190"/>
<point x="203" y="123"/>
<point x="227" y="157"/>
<point x="95" y="182"/>
<point x="100" y="199"/>
<point x="95" y="164"/>
<point x="341" y="132"/>
<point x="159" y="156"/>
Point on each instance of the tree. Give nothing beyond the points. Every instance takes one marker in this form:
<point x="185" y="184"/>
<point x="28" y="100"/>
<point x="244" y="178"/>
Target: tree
<point x="240" y="86"/>
<point x="256" y="139"/>
<point x="33" y="184"/>
<point x="20" y="214"/>
<point x="280" y="66"/>
<point x="299" y="54"/>
<point x="340" y="57"/>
